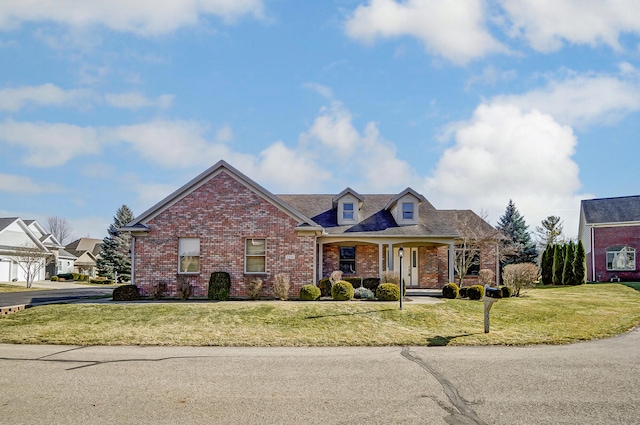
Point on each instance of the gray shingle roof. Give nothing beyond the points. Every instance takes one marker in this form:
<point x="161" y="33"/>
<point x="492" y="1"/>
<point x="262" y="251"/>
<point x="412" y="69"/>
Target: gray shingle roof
<point x="375" y="220"/>
<point x="611" y="210"/>
<point x="5" y="222"/>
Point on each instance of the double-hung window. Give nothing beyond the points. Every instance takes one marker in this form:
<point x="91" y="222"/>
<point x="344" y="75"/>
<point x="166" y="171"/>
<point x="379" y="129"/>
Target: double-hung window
<point x="407" y="210"/>
<point x="347" y="211"/>
<point x="189" y="255"/>
<point x="255" y="256"/>
<point x="348" y="259"/>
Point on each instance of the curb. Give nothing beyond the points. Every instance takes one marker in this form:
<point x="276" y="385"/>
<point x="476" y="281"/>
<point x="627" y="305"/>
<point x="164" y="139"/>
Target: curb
<point x="13" y="308"/>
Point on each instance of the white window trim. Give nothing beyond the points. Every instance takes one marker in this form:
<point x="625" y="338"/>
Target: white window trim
<point x="180" y="256"/>
<point x="246" y="255"/>
<point x="627" y="250"/>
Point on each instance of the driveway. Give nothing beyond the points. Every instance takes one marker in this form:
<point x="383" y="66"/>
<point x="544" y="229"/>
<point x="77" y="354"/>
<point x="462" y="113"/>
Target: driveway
<point x="587" y="383"/>
<point x="58" y="292"/>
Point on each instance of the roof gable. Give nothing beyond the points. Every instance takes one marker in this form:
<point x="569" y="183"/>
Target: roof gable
<point x="611" y="210"/>
<point x="220" y="167"/>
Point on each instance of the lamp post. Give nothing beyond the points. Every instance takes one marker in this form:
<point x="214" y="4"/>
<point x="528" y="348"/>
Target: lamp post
<point x="400" y="255"/>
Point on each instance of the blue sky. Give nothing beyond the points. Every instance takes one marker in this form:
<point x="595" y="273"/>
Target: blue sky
<point x="471" y="102"/>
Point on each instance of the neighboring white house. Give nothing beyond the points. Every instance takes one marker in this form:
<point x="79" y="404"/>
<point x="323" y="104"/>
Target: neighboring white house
<point x="87" y="253"/>
<point x="16" y="233"/>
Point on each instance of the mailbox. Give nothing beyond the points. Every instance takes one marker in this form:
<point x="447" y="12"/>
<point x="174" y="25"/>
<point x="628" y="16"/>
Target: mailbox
<point x="493" y="292"/>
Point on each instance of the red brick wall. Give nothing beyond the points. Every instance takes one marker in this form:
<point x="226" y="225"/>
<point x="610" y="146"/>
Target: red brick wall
<point x="223" y="213"/>
<point x="605" y="237"/>
<point x="428" y="267"/>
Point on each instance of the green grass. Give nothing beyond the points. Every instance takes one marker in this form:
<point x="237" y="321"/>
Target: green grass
<point x="550" y="316"/>
<point x="4" y="288"/>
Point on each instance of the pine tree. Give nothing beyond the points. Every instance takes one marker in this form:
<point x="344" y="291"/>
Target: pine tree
<point x="114" y="254"/>
<point x="558" y="264"/>
<point x="518" y="247"/>
<point x="568" y="273"/>
<point x="550" y="232"/>
<point x="546" y="265"/>
<point x="580" y="264"/>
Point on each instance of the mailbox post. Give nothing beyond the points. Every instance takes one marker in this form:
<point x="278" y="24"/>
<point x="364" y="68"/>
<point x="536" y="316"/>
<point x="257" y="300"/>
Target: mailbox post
<point x="400" y="255"/>
<point x="491" y="295"/>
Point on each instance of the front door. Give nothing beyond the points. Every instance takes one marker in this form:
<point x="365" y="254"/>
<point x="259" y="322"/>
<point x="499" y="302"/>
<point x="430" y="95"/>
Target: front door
<point x="410" y="273"/>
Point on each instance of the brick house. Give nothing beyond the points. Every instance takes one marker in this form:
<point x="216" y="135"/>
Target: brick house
<point x="224" y="221"/>
<point x="610" y="232"/>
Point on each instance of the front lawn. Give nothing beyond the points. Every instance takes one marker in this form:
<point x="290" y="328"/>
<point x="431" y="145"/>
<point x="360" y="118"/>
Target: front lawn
<point x="550" y="316"/>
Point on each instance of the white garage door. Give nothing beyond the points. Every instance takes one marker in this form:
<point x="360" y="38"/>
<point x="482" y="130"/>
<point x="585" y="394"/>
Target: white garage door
<point x="5" y="269"/>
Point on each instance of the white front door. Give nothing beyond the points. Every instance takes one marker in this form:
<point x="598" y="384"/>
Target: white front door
<point x="410" y="273"/>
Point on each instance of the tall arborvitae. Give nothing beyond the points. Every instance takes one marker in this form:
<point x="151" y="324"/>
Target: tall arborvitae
<point x="546" y="265"/>
<point x="568" y="274"/>
<point x="114" y="254"/>
<point x="580" y="264"/>
<point x="558" y="264"/>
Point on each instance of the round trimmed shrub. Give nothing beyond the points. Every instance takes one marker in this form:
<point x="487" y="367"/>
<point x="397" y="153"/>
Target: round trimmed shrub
<point x="54" y="278"/>
<point x="506" y="291"/>
<point x="309" y="293"/>
<point x="462" y="292"/>
<point x="342" y="291"/>
<point x="363" y="293"/>
<point x="450" y="291"/>
<point x="475" y="292"/>
<point x="126" y="293"/>
<point x="325" y="287"/>
<point x="388" y="292"/>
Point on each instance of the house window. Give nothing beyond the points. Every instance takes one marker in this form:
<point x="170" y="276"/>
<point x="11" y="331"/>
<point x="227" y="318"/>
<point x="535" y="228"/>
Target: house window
<point x="621" y="258"/>
<point x="348" y="259"/>
<point x="407" y="210"/>
<point x="347" y="211"/>
<point x="189" y="255"/>
<point x="255" y="256"/>
<point x="467" y="258"/>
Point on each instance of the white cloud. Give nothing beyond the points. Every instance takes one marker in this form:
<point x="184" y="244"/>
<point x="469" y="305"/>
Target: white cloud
<point x="490" y="76"/>
<point x="548" y="24"/>
<point x="16" y="98"/>
<point x="504" y="153"/>
<point x="322" y="90"/>
<point x="21" y="184"/>
<point x="50" y="145"/>
<point x="224" y="134"/>
<point x="582" y="100"/>
<point x="143" y="17"/>
<point x="135" y="100"/>
<point x="454" y="30"/>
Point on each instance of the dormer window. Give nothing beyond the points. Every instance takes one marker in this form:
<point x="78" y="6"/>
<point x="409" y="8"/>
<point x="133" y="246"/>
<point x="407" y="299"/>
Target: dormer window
<point x="407" y="210"/>
<point x="347" y="211"/>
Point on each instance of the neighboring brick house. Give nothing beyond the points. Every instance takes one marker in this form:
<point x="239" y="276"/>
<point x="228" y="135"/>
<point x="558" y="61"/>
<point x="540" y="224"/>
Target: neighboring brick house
<point x="610" y="232"/>
<point x="224" y="221"/>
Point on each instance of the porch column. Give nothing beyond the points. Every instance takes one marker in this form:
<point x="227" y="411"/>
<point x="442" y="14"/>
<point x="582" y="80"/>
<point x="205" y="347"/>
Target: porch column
<point x="319" y="261"/>
<point x="380" y="260"/>
<point x="390" y="257"/>
<point x="452" y="259"/>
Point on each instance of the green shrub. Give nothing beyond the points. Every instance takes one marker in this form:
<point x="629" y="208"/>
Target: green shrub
<point x="65" y="276"/>
<point x="450" y="291"/>
<point x="363" y="293"/>
<point x="126" y="293"/>
<point x="506" y="291"/>
<point x="462" y="292"/>
<point x="124" y="278"/>
<point x="371" y="283"/>
<point x="342" y="291"/>
<point x="356" y="282"/>
<point x="54" y="278"/>
<point x="325" y="287"/>
<point x="101" y="281"/>
<point x="219" y="286"/>
<point x="84" y="277"/>
<point x="75" y="276"/>
<point x="475" y="292"/>
<point x="388" y="292"/>
<point x="309" y="293"/>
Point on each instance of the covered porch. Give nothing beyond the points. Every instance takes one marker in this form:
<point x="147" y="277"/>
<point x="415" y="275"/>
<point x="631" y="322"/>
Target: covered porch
<point x="426" y="262"/>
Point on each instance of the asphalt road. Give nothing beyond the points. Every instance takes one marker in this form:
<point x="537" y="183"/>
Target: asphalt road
<point x="51" y="296"/>
<point x="586" y="383"/>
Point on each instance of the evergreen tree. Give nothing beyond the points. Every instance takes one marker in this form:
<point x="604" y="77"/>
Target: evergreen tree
<point x="558" y="264"/>
<point x="546" y="265"/>
<point x="518" y="247"/>
<point x="568" y="273"/>
<point x="114" y="254"/>
<point x="580" y="264"/>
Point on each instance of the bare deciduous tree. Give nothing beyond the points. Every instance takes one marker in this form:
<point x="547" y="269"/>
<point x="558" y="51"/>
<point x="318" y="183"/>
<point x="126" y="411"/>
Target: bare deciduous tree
<point x="60" y="228"/>
<point x="475" y="233"/>
<point x="32" y="261"/>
